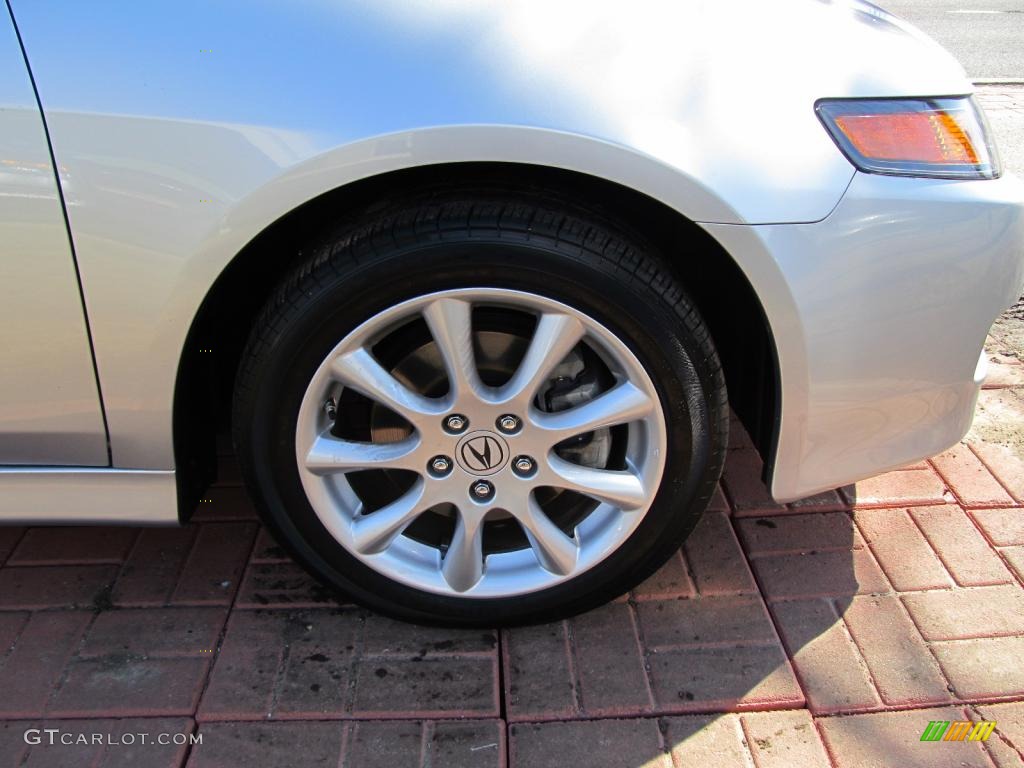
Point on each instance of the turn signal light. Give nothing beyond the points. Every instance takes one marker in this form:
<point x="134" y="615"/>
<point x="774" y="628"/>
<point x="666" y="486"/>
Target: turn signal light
<point x="943" y="138"/>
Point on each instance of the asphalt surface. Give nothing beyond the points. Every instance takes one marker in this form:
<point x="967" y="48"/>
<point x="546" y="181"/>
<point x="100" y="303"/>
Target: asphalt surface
<point x="987" y="36"/>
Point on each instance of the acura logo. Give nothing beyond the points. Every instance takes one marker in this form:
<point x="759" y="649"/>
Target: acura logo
<point x="482" y="453"/>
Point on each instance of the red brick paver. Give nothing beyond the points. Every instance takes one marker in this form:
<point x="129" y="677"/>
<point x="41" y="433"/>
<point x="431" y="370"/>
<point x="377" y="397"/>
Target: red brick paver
<point x="823" y="632"/>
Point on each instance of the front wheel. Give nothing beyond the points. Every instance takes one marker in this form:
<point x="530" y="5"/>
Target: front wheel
<point x="481" y="411"/>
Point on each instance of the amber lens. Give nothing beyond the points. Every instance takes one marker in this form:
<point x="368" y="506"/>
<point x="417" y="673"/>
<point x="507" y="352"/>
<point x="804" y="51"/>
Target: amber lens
<point x="921" y="137"/>
<point x="942" y="137"/>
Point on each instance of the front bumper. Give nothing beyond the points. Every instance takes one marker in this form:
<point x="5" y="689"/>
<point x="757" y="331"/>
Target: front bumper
<point x="879" y="312"/>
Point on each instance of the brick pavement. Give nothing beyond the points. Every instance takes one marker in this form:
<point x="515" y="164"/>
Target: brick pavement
<point x="826" y="632"/>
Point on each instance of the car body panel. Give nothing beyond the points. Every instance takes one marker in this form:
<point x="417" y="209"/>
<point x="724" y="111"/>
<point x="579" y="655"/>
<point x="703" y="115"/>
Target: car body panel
<point x="184" y="130"/>
<point x="880" y="313"/>
<point x="77" y="496"/>
<point x="50" y="409"/>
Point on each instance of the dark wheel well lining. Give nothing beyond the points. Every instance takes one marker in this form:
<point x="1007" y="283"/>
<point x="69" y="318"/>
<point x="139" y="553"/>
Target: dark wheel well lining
<point x="723" y="296"/>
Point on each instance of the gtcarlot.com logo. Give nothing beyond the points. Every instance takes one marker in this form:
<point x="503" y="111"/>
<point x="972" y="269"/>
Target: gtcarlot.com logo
<point x="58" y="737"/>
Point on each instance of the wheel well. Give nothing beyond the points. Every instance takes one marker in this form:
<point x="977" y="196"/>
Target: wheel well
<point x="219" y="331"/>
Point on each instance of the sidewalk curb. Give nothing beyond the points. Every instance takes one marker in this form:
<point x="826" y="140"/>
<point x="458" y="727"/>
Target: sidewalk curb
<point x="999" y="81"/>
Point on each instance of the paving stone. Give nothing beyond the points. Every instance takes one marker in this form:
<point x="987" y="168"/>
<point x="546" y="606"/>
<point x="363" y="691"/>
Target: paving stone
<point x="905" y="487"/>
<point x="244" y="677"/>
<point x="539" y="673"/>
<point x="725" y="620"/>
<point x="964" y="551"/>
<point x="718" y="501"/>
<point x="1015" y="557"/>
<point x="798" y="534"/>
<point x="819" y="574"/>
<point x="315" y="677"/>
<point x="747" y="491"/>
<point x="605" y="743"/>
<point x="55" y="586"/>
<point x="384" y="744"/>
<point x="1003" y="372"/>
<point x="284" y="585"/>
<point x="9" y="538"/>
<point x="784" y="740"/>
<point x="214" y="566"/>
<point x="894" y="739"/>
<point x="902" y="550"/>
<point x="671" y="580"/>
<point x="282" y="664"/>
<point x="1003" y="754"/>
<point x="470" y="744"/>
<point x="151" y="571"/>
<point x="828" y="664"/>
<point x="609" y="663"/>
<point x="455" y="687"/>
<point x="969" y="479"/>
<point x="1009" y="732"/>
<point x="715" y="558"/>
<point x="713" y="740"/>
<point x="155" y="632"/>
<point x="1005" y="527"/>
<point x="33" y="667"/>
<point x="121" y="685"/>
<point x="13" y="748"/>
<point x="124" y="743"/>
<point x="274" y="745"/>
<point x="384" y="636"/>
<point x="983" y="668"/>
<point x="723" y="678"/>
<point x="901" y="666"/>
<point x="11" y="625"/>
<point x="1004" y="465"/>
<point x="827" y="501"/>
<point x="82" y="545"/>
<point x="958" y="614"/>
<point x="267" y="550"/>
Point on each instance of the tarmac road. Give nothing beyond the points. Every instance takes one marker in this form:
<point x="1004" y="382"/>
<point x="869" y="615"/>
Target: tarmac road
<point x="987" y="36"/>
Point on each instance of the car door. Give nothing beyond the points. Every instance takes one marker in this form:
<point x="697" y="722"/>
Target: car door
<point x="50" y="409"/>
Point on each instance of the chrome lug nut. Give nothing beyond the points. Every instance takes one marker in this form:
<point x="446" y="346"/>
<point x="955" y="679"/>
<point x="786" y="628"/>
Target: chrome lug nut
<point x="508" y="424"/>
<point x="523" y="466"/>
<point x="440" y="466"/>
<point x="456" y="423"/>
<point x="481" y="490"/>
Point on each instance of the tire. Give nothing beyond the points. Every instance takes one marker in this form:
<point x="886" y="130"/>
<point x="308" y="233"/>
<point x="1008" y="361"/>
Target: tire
<point x="384" y="287"/>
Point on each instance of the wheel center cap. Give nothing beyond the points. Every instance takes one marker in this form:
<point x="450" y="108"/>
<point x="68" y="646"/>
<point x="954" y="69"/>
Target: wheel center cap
<point x="481" y="453"/>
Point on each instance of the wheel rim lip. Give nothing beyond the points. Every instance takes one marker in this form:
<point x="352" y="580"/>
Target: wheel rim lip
<point x="506" y="574"/>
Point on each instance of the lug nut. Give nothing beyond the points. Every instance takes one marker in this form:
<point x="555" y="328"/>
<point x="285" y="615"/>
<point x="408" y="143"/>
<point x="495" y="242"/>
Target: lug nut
<point x="456" y="423"/>
<point x="440" y="465"/>
<point x="481" y="490"/>
<point x="508" y="424"/>
<point x="523" y="465"/>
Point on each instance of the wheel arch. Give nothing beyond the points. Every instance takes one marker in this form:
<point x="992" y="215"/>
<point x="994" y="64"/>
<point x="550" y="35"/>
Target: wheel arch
<point x="739" y="325"/>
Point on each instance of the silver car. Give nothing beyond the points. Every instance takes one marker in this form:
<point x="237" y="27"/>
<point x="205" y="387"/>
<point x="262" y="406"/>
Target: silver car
<point x="474" y="284"/>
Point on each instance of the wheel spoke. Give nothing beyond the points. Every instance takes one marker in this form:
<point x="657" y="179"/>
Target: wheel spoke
<point x="374" y="533"/>
<point x="555" y="551"/>
<point x="450" y="323"/>
<point x="622" y="488"/>
<point x="360" y="371"/>
<point x="463" y="564"/>
<point x="332" y="454"/>
<point x="555" y="336"/>
<point x="619" y="405"/>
